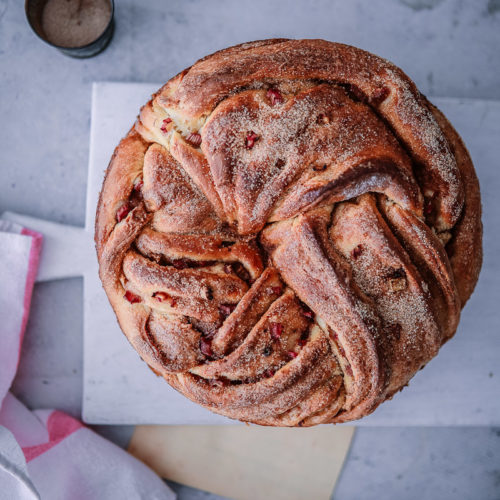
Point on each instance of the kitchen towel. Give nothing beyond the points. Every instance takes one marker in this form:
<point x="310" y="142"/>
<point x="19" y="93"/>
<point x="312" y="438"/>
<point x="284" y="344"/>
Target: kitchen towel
<point x="46" y="453"/>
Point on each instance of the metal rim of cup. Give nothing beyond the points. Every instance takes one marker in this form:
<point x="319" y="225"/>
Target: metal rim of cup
<point x="68" y="50"/>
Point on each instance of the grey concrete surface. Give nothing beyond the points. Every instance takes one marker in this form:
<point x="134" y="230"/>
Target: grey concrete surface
<point x="449" y="47"/>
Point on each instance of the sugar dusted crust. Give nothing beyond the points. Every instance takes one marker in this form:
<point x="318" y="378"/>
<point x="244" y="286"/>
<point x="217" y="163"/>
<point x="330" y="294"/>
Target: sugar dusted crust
<point x="289" y="232"/>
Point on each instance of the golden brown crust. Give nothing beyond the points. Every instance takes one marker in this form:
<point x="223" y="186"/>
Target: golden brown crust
<point x="289" y="232"/>
<point x="465" y="249"/>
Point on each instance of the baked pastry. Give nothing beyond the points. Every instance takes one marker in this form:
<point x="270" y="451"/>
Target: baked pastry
<point x="289" y="232"/>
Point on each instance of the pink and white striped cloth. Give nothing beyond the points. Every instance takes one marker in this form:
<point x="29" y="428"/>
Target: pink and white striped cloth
<point x="46" y="453"/>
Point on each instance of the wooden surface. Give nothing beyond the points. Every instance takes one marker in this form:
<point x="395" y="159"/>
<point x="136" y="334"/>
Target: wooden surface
<point x="247" y="462"/>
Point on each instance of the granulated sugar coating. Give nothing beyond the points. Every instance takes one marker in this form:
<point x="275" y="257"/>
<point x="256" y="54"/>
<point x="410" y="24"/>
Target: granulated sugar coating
<point x="75" y="23"/>
<point x="302" y="231"/>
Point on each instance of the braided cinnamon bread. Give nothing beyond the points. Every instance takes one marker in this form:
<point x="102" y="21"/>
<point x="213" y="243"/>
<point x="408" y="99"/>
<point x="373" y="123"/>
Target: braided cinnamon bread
<point x="289" y="232"/>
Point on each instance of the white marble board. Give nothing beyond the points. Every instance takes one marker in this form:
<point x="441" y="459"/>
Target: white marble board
<point x="460" y="387"/>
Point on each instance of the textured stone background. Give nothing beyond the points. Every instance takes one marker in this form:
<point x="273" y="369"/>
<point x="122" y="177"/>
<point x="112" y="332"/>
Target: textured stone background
<point x="449" y="47"/>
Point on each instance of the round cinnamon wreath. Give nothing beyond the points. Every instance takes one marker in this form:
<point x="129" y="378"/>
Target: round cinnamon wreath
<point x="289" y="232"/>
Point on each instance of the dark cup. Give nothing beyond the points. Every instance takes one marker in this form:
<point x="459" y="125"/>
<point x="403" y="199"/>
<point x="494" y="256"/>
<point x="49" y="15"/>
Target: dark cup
<point x="34" y="9"/>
